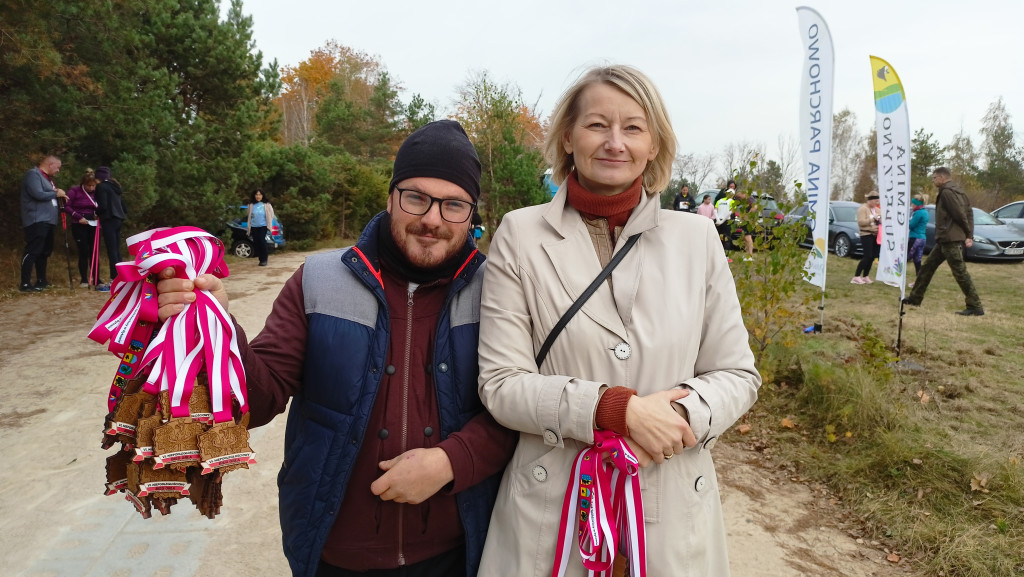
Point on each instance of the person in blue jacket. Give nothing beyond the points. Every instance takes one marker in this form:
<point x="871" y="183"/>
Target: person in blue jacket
<point x="391" y="464"/>
<point x="918" y="225"/>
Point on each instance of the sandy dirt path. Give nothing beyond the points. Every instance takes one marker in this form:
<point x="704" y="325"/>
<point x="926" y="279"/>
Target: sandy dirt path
<point x="57" y="523"/>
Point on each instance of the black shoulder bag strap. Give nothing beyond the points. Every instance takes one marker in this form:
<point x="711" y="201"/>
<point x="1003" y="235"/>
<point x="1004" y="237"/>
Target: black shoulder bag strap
<point x="576" y="306"/>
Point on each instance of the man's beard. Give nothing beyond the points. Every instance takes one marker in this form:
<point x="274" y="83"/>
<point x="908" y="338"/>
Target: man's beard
<point x="419" y="256"/>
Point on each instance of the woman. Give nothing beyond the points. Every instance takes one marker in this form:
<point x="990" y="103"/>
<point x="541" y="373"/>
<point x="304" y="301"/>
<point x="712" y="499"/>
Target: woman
<point x="868" y="217"/>
<point x="918" y="227"/>
<point x="81" y="206"/>
<point x="624" y="362"/>
<point x="261" y="215"/>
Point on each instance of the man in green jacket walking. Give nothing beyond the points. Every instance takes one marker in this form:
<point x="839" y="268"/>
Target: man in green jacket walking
<point x="954" y="228"/>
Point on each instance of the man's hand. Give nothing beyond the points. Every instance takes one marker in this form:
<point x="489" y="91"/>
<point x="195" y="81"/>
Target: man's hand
<point x="969" y="242"/>
<point x="175" y="293"/>
<point x="655" y="425"/>
<point x="414" y="476"/>
<point x="61" y="193"/>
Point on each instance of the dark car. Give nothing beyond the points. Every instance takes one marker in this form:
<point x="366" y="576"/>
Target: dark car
<point x="241" y="244"/>
<point x="1012" y="213"/>
<point x="843" y="232"/>
<point x="994" y="240"/>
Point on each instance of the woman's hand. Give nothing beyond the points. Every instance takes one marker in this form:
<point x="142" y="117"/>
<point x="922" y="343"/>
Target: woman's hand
<point x="641" y="455"/>
<point x="83" y="221"/>
<point x="174" y="293"/>
<point x="655" y="425"/>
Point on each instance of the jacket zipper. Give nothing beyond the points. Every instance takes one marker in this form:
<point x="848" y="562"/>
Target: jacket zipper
<point x="405" y="412"/>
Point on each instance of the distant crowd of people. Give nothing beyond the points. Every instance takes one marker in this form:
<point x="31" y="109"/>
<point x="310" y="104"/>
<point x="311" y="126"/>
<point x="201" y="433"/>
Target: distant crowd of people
<point x="730" y="209"/>
<point x="95" y="208"/>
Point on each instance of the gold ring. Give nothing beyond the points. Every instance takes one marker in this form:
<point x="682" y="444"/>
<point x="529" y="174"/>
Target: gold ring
<point x="667" y="457"/>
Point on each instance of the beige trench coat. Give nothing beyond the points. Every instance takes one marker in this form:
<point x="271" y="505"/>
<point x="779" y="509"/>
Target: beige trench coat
<point x="673" y="302"/>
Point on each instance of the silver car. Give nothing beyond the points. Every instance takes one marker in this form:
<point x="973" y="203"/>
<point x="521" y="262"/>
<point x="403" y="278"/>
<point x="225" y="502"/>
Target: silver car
<point x="993" y="239"/>
<point x="1012" y="213"/>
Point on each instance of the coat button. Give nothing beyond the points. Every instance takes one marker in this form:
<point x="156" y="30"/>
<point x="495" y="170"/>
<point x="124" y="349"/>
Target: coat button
<point x="701" y="484"/>
<point x="382" y="434"/>
<point x="540" y="473"/>
<point x="390" y="369"/>
<point x="550" y="437"/>
<point x="428" y="431"/>
<point x="443" y="367"/>
<point x="623" y="351"/>
<point x="710" y="443"/>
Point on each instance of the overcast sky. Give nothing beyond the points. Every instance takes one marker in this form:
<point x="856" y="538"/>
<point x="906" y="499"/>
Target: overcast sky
<point x="729" y="70"/>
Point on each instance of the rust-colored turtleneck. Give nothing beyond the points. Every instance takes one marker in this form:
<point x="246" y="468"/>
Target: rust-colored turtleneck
<point x="614" y="208"/>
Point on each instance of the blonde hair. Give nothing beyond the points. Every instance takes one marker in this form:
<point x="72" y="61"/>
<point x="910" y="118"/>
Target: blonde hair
<point x="637" y="86"/>
<point x="922" y="197"/>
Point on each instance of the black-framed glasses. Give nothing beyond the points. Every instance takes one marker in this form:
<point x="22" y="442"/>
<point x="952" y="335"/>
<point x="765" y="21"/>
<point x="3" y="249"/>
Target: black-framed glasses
<point x="419" y="203"/>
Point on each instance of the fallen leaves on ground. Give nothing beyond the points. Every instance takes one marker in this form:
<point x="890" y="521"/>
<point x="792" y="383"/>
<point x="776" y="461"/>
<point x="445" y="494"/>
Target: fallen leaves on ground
<point x="980" y="482"/>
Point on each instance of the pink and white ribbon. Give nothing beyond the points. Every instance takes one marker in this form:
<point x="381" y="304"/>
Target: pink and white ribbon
<point x="604" y="499"/>
<point x="200" y="335"/>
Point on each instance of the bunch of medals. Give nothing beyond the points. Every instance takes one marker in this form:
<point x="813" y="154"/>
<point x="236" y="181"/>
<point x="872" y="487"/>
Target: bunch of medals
<point x="178" y="408"/>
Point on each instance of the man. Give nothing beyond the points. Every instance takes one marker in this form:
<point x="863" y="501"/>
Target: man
<point x="391" y="465"/>
<point x="111" y="211"/>
<point x="954" y="228"/>
<point x="39" y="218"/>
<point x="683" y="201"/>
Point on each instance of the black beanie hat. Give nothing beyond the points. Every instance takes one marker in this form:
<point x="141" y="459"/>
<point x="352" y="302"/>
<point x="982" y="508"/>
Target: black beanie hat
<point x="442" y="150"/>
<point x="102" y="173"/>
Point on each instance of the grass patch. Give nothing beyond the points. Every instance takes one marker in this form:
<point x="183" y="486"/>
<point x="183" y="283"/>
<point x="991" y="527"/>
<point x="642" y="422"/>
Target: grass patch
<point x="931" y="460"/>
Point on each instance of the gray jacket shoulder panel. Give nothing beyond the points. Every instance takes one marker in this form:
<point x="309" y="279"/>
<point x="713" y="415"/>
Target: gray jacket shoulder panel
<point x="465" y="308"/>
<point x="330" y="288"/>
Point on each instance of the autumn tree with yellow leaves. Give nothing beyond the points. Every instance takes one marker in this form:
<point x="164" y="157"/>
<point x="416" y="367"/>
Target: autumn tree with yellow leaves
<point x="508" y="136"/>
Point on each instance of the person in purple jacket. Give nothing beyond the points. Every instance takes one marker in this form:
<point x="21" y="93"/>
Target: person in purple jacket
<point x="81" y="207"/>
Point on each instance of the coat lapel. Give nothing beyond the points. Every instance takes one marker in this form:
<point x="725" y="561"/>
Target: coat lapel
<point x="626" y="277"/>
<point x="576" y="263"/>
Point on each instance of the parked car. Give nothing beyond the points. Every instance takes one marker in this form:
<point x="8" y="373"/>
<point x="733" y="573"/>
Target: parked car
<point x="994" y="240"/>
<point x="241" y="244"/>
<point x="548" y="183"/>
<point x="843" y="232"/>
<point x="771" y="216"/>
<point x="1012" y="213"/>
